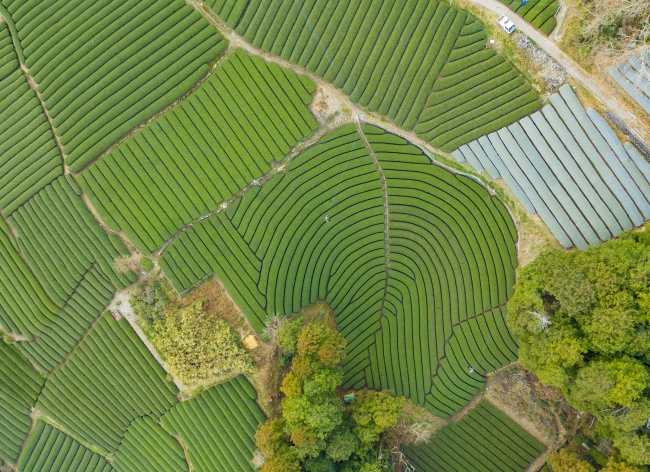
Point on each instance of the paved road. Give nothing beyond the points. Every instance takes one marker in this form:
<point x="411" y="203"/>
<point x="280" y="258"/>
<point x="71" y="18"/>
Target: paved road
<point x="601" y="91"/>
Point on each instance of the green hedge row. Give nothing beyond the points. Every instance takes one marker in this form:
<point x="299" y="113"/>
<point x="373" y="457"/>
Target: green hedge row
<point x="109" y="380"/>
<point x="248" y="114"/>
<point x="29" y="157"/>
<point x="388" y="57"/>
<point x="217" y="427"/>
<point x="56" y="340"/>
<point x="485" y="439"/>
<point x="103" y="68"/>
<point x="146" y="446"/>
<point x="540" y="13"/>
<point x="25" y="309"/>
<point x="50" y="449"/>
<point x="452" y="258"/>
<point x="414" y="32"/>
<point x="20" y="386"/>
<point x="61" y="240"/>
<point x="8" y="58"/>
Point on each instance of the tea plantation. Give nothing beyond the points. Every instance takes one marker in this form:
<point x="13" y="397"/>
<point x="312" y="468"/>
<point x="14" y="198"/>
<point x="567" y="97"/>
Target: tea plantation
<point x="413" y="324"/>
<point x="485" y="439"/>
<point x="199" y="135"/>
<point x="351" y="44"/>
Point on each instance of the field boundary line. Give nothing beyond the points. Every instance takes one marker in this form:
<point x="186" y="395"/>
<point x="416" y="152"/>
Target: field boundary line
<point x="278" y="167"/>
<point x="146" y="122"/>
<point x="32" y="85"/>
<point x="384" y="190"/>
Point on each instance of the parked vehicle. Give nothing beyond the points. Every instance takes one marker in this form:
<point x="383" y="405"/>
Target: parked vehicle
<point x="506" y="24"/>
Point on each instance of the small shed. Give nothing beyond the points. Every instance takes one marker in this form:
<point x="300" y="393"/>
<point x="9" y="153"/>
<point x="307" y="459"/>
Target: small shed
<point x="251" y="342"/>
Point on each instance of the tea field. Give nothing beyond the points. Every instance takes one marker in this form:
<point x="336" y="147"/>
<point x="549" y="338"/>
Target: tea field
<point x="198" y="134"/>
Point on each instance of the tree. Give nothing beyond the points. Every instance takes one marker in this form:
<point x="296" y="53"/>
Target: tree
<point x="616" y="464"/>
<point x="128" y="263"/>
<point x="270" y="437"/>
<point x="374" y="412"/>
<point x="198" y="346"/>
<point x="634" y="446"/>
<point x="567" y="461"/>
<point x="149" y="299"/>
<point x="319" y="464"/>
<point x="583" y="321"/>
<point x="319" y="431"/>
<point x="342" y="445"/>
<point x="606" y="384"/>
<point x="282" y="460"/>
<point x="288" y="334"/>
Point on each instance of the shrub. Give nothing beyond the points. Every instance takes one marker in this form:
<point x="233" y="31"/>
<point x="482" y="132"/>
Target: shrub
<point x="288" y="334"/>
<point x="146" y="264"/>
<point x="127" y="264"/>
<point x="198" y="346"/>
<point x="565" y="461"/>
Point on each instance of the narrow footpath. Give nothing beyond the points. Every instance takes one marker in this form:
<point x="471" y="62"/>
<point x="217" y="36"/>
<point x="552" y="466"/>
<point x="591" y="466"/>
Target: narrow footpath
<point x="384" y="190"/>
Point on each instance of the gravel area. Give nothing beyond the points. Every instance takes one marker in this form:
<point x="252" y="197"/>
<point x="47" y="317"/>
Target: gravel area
<point x="551" y="73"/>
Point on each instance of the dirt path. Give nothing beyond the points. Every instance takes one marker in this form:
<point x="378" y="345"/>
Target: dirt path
<point x="32" y="85"/>
<point x="237" y="41"/>
<point x="384" y="191"/>
<point x="121" y="304"/>
<point x="597" y="87"/>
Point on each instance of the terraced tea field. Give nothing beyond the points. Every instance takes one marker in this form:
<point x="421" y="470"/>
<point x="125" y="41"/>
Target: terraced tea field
<point x="451" y="250"/>
<point x="248" y="114"/>
<point x="441" y="51"/>
<point x="485" y="439"/>
<point x="111" y="66"/>
<point x="134" y="128"/>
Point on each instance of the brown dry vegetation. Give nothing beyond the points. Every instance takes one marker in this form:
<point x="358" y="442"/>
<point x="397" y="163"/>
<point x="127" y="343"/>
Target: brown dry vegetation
<point x="217" y="301"/>
<point x="600" y="33"/>
<point x="540" y="410"/>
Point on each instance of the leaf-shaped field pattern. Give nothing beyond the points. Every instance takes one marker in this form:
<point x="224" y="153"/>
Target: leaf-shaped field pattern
<point x="415" y="326"/>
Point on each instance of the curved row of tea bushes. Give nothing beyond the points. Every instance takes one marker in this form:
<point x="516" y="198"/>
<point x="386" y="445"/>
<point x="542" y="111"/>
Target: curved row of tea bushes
<point x="390" y="57"/>
<point x="218" y="426"/>
<point x="478" y="91"/>
<point x="48" y="449"/>
<point x="8" y="59"/>
<point x="25" y="308"/>
<point x="54" y="342"/>
<point x="478" y="346"/>
<point x="104" y="67"/>
<point x="452" y="259"/>
<point x="146" y="446"/>
<point x="61" y="240"/>
<point x="29" y="157"/>
<point x="109" y="380"/>
<point x="334" y="175"/>
<point x="20" y="386"/>
<point x="566" y="164"/>
<point x="484" y="440"/>
<point x="248" y="114"/>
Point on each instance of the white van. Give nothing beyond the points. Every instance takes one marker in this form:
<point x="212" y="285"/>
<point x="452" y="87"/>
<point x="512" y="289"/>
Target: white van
<point x="506" y="24"/>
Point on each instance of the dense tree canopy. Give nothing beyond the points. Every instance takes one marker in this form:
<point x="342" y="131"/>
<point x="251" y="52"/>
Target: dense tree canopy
<point x="583" y="321"/>
<point x="196" y="344"/>
<point x="317" y="433"/>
